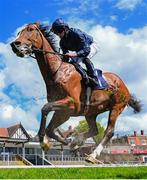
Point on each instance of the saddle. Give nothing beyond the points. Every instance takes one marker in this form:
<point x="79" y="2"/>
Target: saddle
<point x="102" y="83"/>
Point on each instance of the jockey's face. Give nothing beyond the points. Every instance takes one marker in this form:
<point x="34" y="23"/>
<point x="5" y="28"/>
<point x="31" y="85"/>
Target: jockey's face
<point x="61" y="34"/>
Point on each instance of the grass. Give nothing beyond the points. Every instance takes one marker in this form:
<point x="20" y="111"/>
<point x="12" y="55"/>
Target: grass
<point x="75" y="173"/>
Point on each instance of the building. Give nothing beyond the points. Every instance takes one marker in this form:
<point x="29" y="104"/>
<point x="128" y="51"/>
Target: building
<point x="16" y="144"/>
<point x="128" y="148"/>
<point x="13" y="139"/>
<point x="138" y="139"/>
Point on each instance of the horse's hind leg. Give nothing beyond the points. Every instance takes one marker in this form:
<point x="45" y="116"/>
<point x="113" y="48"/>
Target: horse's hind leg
<point x="80" y="139"/>
<point x="109" y="132"/>
<point x="93" y="131"/>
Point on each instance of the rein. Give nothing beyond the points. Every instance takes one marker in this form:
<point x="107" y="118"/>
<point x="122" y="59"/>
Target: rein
<point x="47" y="52"/>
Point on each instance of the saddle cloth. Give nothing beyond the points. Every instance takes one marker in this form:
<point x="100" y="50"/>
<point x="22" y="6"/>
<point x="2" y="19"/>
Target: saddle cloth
<point x="102" y="84"/>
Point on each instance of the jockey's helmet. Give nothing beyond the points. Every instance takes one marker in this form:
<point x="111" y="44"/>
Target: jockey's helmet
<point x="59" y="26"/>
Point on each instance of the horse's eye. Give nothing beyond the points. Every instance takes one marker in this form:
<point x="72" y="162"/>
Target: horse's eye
<point x="30" y="29"/>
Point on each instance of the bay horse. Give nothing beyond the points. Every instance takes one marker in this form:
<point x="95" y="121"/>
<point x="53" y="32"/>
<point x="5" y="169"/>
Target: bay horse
<point x="66" y="92"/>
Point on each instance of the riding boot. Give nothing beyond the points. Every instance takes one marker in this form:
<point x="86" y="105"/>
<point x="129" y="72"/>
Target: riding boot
<point x="91" y="71"/>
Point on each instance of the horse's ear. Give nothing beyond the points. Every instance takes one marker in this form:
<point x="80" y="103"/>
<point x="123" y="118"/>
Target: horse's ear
<point x="37" y="24"/>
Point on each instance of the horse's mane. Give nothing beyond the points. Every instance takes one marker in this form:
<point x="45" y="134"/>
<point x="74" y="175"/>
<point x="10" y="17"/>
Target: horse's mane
<point x="50" y="36"/>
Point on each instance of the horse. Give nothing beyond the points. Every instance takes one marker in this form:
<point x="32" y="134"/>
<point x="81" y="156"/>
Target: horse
<point x="66" y="92"/>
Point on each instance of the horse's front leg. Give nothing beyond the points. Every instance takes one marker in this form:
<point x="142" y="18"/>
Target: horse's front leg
<point x="44" y="112"/>
<point x="64" y="104"/>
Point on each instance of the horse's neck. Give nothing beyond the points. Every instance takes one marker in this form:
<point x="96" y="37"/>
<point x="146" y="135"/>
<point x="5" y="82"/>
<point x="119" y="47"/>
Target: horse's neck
<point x="51" y="61"/>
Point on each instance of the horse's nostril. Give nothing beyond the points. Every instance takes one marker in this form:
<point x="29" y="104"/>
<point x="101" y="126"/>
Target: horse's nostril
<point x="17" y="43"/>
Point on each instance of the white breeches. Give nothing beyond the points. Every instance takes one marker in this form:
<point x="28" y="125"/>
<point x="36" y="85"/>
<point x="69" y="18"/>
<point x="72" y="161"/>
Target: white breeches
<point x="93" y="50"/>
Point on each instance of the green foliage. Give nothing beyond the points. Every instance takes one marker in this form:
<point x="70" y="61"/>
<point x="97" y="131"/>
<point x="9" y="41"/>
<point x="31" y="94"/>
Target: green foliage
<point x="83" y="127"/>
<point x="75" y="173"/>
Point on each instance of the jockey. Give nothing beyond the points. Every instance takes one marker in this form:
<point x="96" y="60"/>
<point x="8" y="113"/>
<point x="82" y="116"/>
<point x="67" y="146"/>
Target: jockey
<point x="77" y="46"/>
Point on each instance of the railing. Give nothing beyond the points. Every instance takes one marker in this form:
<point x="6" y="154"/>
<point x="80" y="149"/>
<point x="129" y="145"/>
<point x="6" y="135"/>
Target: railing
<point x="24" y="160"/>
<point x="130" y="162"/>
<point x="9" y="159"/>
<point x="37" y="159"/>
<point x="65" y="160"/>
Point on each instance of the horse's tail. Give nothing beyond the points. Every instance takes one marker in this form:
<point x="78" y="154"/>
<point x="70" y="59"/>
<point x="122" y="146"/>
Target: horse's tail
<point x="135" y="104"/>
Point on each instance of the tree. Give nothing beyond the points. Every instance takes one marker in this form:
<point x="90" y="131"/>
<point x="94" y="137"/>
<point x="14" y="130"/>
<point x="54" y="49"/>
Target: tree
<point x="83" y="127"/>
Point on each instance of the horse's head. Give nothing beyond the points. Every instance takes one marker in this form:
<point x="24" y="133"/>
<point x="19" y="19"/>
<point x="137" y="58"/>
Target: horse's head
<point x="28" y="38"/>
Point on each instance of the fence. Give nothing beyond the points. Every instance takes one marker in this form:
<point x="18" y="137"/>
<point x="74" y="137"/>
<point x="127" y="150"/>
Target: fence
<point x="9" y="159"/>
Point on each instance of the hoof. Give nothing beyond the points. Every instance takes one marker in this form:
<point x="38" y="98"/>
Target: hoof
<point x="76" y="147"/>
<point x="76" y="144"/>
<point x="45" y="147"/>
<point x="65" y="142"/>
<point x="73" y="146"/>
<point x="92" y="160"/>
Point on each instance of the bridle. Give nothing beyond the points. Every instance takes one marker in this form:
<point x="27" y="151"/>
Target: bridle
<point x="33" y="49"/>
<point x="47" y="52"/>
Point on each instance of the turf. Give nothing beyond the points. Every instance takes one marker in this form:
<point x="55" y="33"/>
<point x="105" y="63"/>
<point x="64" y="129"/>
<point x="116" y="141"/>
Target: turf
<point x="75" y="173"/>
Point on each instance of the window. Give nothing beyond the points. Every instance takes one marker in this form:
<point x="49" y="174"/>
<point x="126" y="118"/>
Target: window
<point x="145" y="159"/>
<point x="132" y="142"/>
<point x="1" y="149"/>
<point x="143" y="142"/>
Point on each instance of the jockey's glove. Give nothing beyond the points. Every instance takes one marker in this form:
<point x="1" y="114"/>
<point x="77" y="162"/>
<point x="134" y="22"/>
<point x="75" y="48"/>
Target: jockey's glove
<point x="71" y="60"/>
<point x="71" y="54"/>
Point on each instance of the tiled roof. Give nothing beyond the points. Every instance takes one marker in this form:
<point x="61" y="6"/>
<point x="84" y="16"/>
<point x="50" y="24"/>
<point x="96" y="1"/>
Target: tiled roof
<point x="4" y="132"/>
<point x="12" y="129"/>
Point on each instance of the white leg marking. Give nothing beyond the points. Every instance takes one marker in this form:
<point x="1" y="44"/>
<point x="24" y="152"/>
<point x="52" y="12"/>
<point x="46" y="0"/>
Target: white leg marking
<point x="97" y="151"/>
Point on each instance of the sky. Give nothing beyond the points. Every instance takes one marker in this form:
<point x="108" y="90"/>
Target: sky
<point x="119" y="27"/>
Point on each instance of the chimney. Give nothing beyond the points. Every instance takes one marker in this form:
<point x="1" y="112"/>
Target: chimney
<point x="142" y="132"/>
<point x="135" y="133"/>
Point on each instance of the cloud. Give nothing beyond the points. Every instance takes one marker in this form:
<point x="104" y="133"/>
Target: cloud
<point x="11" y="115"/>
<point x="78" y="8"/>
<point x="128" y="4"/>
<point x="132" y="123"/>
<point x="113" y="18"/>
<point x="2" y="81"/>
<point x="7" y="112"/>
<point x="126" y="124"/>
